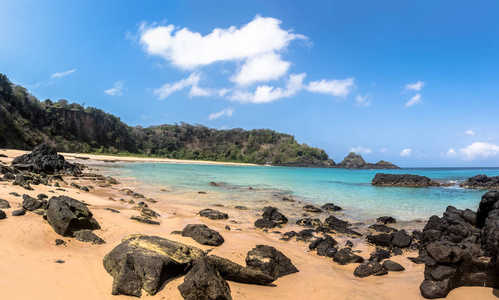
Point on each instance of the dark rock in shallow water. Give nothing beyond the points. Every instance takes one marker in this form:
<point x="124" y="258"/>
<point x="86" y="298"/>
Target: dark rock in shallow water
<point x="405" y="180"/>
<point x="340" y="226"/>
<point x="331" y="207"/>
<point x="145" y="220"/>
<point x="88" y="236"/>
<point x="4" y="203"/>
<point x="481" y="182"/>
<point x="311" y="208"/>
<point x="19" y="212"/>
<point x="272" y="214"/>
<point x="383" y="228"/>
<point x="45" y="159"/>
<point x="309" y="222"/>
<point x="392" y="266"/>
<point x="270" y="261"/>
<point x="386" y="220"/>
<point x="234" y="272"/>
<point x="305" y="235"/>
<point x="147" y="262"/>
<point x="213" y="214"/>
<point x="346" y="256"/>
<point x="3" y="215"/>
<point x="369" y="268"/>
<point x="203" y="282"/>
<point x="203" y="235"/>
<point x="383" y="239"/>
<point x="401" y="239"/>
<point x="67" y="215"/>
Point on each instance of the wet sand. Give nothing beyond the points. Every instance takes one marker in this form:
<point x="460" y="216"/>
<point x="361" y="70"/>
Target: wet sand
<point x="28" y="251"/>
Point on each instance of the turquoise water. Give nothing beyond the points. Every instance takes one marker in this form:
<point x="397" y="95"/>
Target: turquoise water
<point x="350" y="189"/>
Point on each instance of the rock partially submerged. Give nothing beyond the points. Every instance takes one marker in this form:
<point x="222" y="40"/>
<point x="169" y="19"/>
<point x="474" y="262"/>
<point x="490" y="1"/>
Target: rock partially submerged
<point x="213" y="214"/>
<point x="404" y="180"/>
<point x="203" y="235"/>
<point x="481" y="182"/>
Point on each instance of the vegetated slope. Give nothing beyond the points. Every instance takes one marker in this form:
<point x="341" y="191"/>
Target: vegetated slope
<point x="26" y="122"/>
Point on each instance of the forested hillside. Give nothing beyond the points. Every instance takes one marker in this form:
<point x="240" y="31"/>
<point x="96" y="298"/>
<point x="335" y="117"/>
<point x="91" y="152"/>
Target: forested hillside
<point x="26" y="122"/>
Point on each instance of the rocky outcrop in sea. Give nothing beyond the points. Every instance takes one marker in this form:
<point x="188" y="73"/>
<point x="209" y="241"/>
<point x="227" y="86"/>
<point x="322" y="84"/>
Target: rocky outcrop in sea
<point x="405" y="180"/>
<point x="481" y="182"/>
<point x="355" y="161"/>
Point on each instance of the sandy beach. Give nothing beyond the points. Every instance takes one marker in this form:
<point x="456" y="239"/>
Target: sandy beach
<point x="28" y="251"/>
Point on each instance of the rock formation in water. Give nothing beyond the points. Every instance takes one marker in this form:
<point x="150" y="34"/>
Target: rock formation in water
<point x="355" y="161"/>
<point x="405" y="180"/>
<point x="481" y="182"/>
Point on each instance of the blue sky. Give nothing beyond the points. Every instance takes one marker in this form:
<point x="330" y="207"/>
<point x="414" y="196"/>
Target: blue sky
<point x="412" y="82"/>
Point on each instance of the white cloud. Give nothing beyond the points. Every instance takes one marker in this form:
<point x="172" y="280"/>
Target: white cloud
<point x="265" y="94"/>
<point x="262" y="67"/>
<point x="361" y="150"/>
<point x="451" y="153"/>
<point x="415" y="86"/>
<point x="383" y="150"/>
<point x="117" y="89"/>
<point x="406" y="152"/>
<point x="192" y="81"/>
<point x="478" y="150"/>
<point x="62" y="74"/>
<point x="334" y="87"/>
<point x="469" y="132"/>
<point x="414" y="100"/>
<point x="363" y="100"/>
<point x="226" y="112"/>
<point x="187" y="49"/>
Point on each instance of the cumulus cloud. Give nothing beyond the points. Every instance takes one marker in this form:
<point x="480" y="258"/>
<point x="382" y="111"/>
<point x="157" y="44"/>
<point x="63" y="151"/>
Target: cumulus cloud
<point x="469" y="132"/>
<point x="414" y="100"/>
<point x="406" y="152"/>
<point x="226" y="112"/>
<point x="62" y="74"/>
<point x="262" y="67"/>
<point x="117" y="89"/>
<point x="475" y="151"/>
<point x="361" y="150"/>
<point x="415" y="86"/>
<point x="333" y="87"/>
<point x="192" y="81"/>
<point x="187" y="49"/>
<point x="363" y="100"/>
<point x="265" y="93"/>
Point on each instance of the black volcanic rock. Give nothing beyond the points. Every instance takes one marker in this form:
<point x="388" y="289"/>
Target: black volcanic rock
<point x="234" y="272"/>
<point x="272" y="214"/>
<point x="331" y="207"/>
<point x="346" y="256"/>
<point x="405" y="180"/>
<point x="270" y="261"/>
<point x="481" y="182"/>
<point x="67" y="215"/>
<point x="213" y="214"/>
<point x="386" y="220"/>
<point x="45" y="159"/>
<point x="203" y="235"/>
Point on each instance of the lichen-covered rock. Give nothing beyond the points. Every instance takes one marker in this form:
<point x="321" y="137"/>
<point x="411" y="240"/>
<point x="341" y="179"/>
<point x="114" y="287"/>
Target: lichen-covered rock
<point x="147" y="262"/>
<point x="203" y="235"/>
<point x="213" y="214"/>
<point x="229" y="270"/>
<point x="67" y="215"/>
<point x="203" y="282"/>
<point x="270" y="261"/>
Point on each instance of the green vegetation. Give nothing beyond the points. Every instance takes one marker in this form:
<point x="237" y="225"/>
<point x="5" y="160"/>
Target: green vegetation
<point x="26" y="122"/>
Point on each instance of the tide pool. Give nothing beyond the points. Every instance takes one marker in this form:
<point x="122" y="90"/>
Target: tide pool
<point x="350" y="189"/>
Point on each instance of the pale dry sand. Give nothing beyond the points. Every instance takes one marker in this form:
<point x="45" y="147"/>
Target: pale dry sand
<point x="28" y="254"/>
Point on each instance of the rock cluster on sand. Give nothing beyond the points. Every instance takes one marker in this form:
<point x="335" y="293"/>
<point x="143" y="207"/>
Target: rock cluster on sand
<point x="481" y="182"/>
<point x="147" y="262"/>
<point x="461" y="248"/>
<point x="271" y="218"/>
<point x="405" y="180"/>
<point x="45" y="159"/>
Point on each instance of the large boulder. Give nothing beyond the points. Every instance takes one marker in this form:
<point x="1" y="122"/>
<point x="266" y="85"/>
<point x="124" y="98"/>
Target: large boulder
<point x="147" y="262"/>
<point x="203" y="282"/>
<point x="270" y="261"/>
<point x="67" y="215"/>
<point x="481" y="182"/>
<point x="401" y="239"/>
<point x="45" y="159"/>
<point x="405" y="180"/>
<point x="30" y="204"/>
<point x="229" y="270"/>
<point x="203" y="235"/>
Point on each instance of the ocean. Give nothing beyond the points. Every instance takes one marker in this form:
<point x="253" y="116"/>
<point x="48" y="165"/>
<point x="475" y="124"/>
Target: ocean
<point x="350" y="189"/>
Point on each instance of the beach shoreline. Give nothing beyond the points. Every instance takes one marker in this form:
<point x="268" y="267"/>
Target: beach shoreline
<point x="29" y="252"/>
